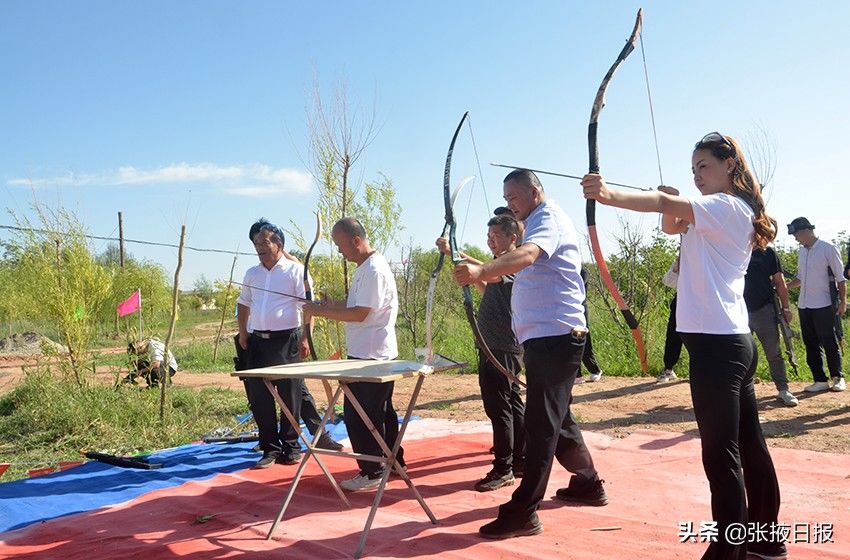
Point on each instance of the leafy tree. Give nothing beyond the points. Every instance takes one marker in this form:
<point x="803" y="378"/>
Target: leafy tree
<point x="338" y="137"/>
<point x="204" y="289"/>
<point x="59" y="280"/>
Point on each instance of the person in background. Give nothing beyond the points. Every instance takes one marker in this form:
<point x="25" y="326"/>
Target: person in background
<point x="672" y="340"/>
<point x="588" y="358"/>
<point x="764" y="281"/>
<point x="847" y="265"/>
<point x="817" y="260"/>
<point x="148" y="361"/>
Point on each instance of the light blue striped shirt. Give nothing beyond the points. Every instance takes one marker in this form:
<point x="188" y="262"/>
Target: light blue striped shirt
<point x="548" y="295"/>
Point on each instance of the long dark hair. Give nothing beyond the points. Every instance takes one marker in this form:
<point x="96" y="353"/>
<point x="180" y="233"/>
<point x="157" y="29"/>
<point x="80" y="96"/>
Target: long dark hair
<point x="744" y="186"/>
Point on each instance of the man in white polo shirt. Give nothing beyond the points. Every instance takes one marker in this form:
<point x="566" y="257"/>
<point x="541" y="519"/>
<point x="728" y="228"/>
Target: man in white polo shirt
<point x="548" y="320"/>
<point x="275" y="339"/>
<point x="369" y="314"/>
<point x="818" y="265"/>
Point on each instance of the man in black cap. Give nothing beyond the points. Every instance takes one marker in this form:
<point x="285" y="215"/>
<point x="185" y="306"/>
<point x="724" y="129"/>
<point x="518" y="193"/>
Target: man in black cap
<point x="817" y="263"/>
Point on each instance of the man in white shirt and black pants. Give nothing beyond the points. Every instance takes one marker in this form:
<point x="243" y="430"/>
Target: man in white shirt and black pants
<point x="275" y="338"/>
<point x="818" y="265"/>
<point x="369" y="314"/>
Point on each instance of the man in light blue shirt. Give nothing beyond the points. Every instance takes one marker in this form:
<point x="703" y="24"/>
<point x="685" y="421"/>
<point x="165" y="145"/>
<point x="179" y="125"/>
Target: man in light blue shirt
<point x="548" y="320"/>
<point x="818" y="264"/>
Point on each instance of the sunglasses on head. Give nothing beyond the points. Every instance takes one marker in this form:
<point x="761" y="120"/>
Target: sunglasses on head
<point x="714" y="138"/>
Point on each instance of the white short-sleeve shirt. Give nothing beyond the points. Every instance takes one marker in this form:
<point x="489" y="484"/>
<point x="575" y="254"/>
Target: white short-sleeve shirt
<point x="156" y="353"/>
<point x="813" y="266"/>
<point x="715" y="254"/>
<point x="270" y="311"/>
<point x="373" y="286"/>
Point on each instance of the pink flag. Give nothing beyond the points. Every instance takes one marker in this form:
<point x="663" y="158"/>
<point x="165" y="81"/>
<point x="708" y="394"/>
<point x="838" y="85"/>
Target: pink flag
<point x="131" y="304"/>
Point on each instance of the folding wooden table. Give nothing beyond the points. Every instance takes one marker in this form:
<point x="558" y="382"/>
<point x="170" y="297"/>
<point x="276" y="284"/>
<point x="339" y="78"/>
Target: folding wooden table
<point x="344" y="372"/>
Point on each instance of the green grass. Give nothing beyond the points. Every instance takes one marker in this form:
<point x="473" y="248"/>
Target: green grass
<point x="46" y="419"/>
<point x="616" y="353"/>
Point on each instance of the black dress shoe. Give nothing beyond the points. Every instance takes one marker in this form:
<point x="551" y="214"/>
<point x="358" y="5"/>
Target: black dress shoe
<point x="494" y="480"/>
<point x="268" y="459"/>
<point x="583" y="491"/>
<point x="327" y="442"/>
<point x="290" y="458"/>
<point x="503" y="528"/>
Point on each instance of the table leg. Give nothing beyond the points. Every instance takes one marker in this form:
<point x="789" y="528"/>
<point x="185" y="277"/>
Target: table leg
<point x="288" y="413"/>
<point x="408" y="413"/>
<point x="389" y="461"/>
<point x="329" y="393"/>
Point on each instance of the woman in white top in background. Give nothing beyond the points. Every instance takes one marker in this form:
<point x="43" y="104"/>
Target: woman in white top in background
<point x="719" y="230"/>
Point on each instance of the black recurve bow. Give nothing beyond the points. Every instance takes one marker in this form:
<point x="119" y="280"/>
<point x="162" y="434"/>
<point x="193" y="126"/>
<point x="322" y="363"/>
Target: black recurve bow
<point x="450" y="228"/>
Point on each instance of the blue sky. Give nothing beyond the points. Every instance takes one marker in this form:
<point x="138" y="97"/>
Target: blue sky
<point x="194" y="112"/>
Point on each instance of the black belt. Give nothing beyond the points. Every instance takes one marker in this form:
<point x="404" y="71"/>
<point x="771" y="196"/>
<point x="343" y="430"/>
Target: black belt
<point x="268" y="335"/>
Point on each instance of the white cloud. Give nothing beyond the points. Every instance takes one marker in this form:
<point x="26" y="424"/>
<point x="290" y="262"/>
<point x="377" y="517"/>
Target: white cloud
<point x="254" y="180"/>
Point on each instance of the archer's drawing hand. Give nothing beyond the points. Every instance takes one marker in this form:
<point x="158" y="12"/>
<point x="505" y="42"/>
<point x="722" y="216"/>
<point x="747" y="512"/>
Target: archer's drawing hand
<point x="668" y="190"/>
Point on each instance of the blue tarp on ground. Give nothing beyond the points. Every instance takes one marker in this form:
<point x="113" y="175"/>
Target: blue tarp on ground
<point x="95" y="485"/>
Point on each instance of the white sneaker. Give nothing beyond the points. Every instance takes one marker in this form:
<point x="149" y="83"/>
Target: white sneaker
<point x="666" y="375"/>
<point x="360" y="482"/>
<point x="787" y="398"/>
<point x="594" y="377"/>
<point x="817" y="387"/>
<point x="838" y="384"/>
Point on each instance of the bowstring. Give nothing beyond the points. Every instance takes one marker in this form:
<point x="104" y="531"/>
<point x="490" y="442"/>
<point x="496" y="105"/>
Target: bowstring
<point x="651" y="116"/>
<point x="654" y="131"/>
<point x="651" y="110"/>
<point x="480" y="176"/>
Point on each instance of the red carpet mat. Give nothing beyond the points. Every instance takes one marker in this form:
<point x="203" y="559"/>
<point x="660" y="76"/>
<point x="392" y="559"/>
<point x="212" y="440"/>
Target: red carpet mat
<point x="654" y="481"/>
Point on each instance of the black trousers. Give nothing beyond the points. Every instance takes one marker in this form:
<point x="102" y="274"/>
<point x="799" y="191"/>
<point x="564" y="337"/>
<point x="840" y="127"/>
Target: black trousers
<point x="309" y="413"/>
<point x="157" y="374"/>
<point x="271" y="352"/>
<point x="740" y="472"/>
<point x="672" y="340"/>
<point x="504" y="407"/>
<point x="377" y="401"/>
<point x="588" y="358"/>
<point x="817" y="327"/>
<point x="551" y="431"/>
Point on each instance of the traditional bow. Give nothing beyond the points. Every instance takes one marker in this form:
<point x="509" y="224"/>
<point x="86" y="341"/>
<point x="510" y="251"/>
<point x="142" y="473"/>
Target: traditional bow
<point x="432" y="283"/>
<point x="308" y="289"/>
<point x="590" y="209"/>
<point x="451" y="226"/>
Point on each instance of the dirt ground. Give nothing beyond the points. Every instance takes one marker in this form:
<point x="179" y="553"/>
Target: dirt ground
<point x="614" y="406"/>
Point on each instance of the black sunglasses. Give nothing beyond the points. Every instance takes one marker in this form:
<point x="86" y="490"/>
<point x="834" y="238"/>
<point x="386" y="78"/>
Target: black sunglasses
<point x="714" y="138"/>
